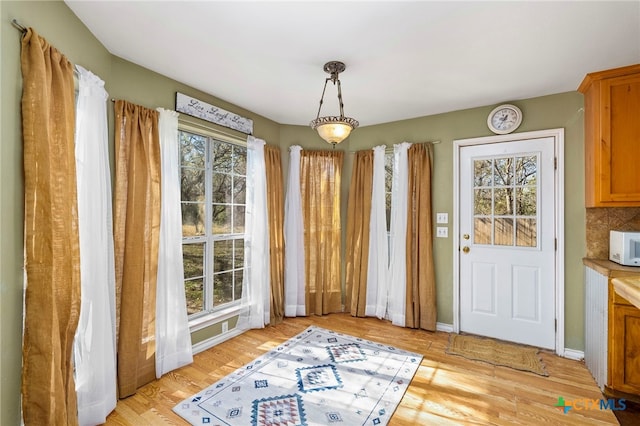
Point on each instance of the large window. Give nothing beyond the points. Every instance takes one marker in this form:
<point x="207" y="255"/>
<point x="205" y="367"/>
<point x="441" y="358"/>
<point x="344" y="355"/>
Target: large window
<point x="213" y="183"/>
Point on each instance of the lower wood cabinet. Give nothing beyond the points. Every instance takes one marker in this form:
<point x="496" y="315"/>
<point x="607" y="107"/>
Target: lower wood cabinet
<point x="624" y="345"/>
<point x="612" y="331"/>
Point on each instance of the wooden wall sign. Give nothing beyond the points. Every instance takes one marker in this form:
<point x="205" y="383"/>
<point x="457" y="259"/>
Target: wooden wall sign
<point x="213" y="114"/>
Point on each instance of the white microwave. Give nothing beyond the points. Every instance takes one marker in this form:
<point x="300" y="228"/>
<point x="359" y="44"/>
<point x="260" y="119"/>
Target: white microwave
<point x="624" y="247"/>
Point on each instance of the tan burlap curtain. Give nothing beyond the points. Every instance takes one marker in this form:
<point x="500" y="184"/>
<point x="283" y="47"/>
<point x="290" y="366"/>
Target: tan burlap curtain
<point x="357" y="244"/>
<point x="136" y="232"/>
<point x="275" y="208"/>
<point x="421" y="286"/>
<point x="320" y="173"/>
<point x="52" y="254"/>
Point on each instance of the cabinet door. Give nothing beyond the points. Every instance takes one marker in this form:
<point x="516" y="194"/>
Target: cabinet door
<point x="619" y="140"/>
<point x="625" y="349"/>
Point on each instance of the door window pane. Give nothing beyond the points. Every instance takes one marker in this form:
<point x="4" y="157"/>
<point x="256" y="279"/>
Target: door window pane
<point x="526" y="170"/>
<point x="482" y="173"/>
<point x="526" y="233"/>
<point x="482" y="230"/>
<point x="482" y="201"/>
<point x="503" y="201"/>
<point x="526" y="201"/>
<point x="503" y="171"/>
<point x="503" y="231"/>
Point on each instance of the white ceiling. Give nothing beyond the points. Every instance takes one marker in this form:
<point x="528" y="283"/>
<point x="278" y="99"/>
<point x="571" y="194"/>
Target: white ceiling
<point x="404" y="59"/>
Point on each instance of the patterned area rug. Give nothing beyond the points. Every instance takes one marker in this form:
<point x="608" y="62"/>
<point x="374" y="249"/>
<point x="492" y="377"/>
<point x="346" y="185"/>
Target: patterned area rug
<point x="319" y="377"/>
<point x="497" y="353"/>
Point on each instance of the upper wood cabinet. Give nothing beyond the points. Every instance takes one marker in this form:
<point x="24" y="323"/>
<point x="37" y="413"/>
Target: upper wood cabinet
<point x="612" y="137"/>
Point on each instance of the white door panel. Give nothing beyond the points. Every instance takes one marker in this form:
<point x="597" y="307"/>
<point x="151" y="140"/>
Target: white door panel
<point x="525" y="291"/>
<point x="484" y="291"/>
<point x="507" y="241"/>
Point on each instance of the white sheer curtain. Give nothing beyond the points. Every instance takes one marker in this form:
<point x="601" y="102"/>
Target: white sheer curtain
<point x="378" y="266"/>
<point x="256" y="282"/>
<point x="294" y="292"/>
<point x="95" y="341"/>
<point x="173" y="340"/>
<point x="398" y="264"/>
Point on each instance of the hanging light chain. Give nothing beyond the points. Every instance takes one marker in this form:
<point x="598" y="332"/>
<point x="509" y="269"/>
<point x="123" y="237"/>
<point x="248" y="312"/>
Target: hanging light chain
<point x="340" y="98"/>
<point x="322" y="97"/>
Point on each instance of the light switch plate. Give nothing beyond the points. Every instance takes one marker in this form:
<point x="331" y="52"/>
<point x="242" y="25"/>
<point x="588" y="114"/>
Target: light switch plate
<point x="442" y="232"/>
<point x="442" y="217"/>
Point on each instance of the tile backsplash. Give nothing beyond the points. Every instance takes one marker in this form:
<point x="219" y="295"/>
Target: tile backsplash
<point x="602" y="219"/>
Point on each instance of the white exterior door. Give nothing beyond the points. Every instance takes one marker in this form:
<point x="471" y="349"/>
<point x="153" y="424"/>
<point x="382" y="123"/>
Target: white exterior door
<point x="507" y="239"/>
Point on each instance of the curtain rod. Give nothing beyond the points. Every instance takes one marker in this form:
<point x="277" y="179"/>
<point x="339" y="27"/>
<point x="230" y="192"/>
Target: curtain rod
<point x="389" y="149"/>
<point x="18" y="26"/>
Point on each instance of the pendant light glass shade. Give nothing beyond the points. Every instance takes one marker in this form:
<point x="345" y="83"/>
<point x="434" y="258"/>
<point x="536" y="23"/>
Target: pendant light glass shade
<point x="333" y="129"/>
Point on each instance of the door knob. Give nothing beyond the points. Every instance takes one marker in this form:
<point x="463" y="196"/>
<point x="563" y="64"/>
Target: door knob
<point x="465" y="249"/>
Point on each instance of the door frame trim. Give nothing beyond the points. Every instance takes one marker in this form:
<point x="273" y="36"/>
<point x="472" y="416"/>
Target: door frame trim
<point x="558" y="135"/>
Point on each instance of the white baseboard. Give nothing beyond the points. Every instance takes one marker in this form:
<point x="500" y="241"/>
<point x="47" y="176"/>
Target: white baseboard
<point x="573" y="354"/>
<point x="444" y="327"/>
<point x="215" y="340"/>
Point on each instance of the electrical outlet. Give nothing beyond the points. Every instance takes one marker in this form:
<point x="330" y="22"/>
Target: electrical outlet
<point x="225" y="326"/>
<point x="442" y="232"/>
<point x="442" y="217"/>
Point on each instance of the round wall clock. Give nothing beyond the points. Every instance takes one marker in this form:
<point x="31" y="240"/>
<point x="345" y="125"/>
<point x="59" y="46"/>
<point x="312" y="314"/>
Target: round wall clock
<point x="504" y="119"/>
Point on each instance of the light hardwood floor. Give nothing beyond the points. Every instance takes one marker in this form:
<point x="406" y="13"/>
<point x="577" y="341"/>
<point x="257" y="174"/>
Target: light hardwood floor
<point x="447" y="389"/>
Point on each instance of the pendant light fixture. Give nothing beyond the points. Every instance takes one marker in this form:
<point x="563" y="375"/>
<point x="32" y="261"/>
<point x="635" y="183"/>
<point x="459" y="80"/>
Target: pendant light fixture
<point x="333" y="129"/>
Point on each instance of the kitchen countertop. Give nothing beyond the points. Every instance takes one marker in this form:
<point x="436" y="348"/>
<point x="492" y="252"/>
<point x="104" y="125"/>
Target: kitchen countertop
<point x="625" y="279"/>
<point x="611" y="269"/>
<point x="629" y="288"/>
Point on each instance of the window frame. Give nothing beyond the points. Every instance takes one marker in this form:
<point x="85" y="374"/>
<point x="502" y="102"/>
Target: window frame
<point x="210" y="313"/>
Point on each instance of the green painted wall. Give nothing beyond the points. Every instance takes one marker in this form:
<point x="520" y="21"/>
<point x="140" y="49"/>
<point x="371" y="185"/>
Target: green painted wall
<point x="54" y="21"/>
<point x="141" y="86"/>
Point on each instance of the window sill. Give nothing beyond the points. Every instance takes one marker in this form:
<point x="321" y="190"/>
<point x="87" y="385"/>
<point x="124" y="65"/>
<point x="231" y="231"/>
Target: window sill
<point x="215" y="317"/>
